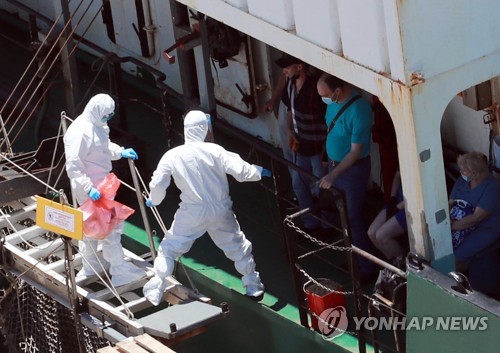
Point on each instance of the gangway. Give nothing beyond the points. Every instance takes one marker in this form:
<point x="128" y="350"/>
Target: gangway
<point x="33" y="256"/>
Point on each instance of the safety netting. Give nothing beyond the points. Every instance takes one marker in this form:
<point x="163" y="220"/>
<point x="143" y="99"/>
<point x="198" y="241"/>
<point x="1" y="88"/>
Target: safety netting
<point x="33" y="322"/>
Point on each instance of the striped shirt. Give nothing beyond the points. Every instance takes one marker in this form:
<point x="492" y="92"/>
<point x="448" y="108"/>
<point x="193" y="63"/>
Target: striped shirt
<point x="308" y="111"/>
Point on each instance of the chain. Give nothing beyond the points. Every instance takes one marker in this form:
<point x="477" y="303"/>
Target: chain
<point x="292" y="225"/>
<point x="323" y="286"/>
<point x="312" y="252"/>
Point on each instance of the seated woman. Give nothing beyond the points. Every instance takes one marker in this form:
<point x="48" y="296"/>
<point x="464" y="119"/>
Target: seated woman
<point x="481" y="190"/>
<point x="390" y="224"/>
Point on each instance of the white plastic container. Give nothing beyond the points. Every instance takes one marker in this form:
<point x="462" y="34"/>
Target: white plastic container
<point x="241" y="4"/>
<point x="318" y="22"/>
<point x="363" y="33"/>
<point x="276" y="12"/>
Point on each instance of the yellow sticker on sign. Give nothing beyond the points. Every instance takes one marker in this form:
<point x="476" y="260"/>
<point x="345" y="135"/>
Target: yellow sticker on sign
<point x="59" y="218"/>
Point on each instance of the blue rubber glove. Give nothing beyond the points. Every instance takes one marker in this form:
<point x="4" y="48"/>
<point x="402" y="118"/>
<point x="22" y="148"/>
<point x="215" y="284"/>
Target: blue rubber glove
<point x="129" y="153"/>
<point x="94" y="194"/>
<point x="266" y="173"/>
<point x="149" y="203"/>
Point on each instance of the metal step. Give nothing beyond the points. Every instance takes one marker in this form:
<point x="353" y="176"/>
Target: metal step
<point x="180" y="319"/>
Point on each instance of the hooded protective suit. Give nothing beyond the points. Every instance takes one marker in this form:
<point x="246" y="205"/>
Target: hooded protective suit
<point x="199" y="170"/>
<point x="89" y="153"/>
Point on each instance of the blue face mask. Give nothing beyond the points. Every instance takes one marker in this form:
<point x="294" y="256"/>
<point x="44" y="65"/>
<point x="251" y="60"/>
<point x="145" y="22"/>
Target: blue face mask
<point x="108" y="117"/>
<point x="327" y="100"/>
<point x="466" y="178"/>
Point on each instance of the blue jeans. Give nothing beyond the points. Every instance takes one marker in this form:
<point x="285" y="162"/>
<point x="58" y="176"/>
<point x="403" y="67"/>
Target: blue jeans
<point x="354" y="182"/>
<point x="302" y="184"/>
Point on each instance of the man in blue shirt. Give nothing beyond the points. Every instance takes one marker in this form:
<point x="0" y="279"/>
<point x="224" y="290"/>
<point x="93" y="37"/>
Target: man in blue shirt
<point x="348" y="149"/>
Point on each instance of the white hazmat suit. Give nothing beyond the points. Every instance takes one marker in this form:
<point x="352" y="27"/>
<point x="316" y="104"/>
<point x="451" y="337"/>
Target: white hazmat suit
<point x="199" y="170"/>
<point x="89" y="153"/>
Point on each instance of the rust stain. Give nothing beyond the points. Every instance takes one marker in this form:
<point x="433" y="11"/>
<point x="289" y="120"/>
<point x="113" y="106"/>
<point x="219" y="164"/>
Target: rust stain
<point x="416" y="78"/>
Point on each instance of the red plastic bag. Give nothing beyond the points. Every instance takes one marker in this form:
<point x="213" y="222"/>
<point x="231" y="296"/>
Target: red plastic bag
<point x="101" y="216"/>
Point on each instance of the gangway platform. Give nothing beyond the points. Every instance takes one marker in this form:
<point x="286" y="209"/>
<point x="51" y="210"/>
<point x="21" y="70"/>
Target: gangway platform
<point x="37" y="256"/>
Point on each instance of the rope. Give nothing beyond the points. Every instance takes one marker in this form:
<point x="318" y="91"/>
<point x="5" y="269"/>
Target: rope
<point x="35" y="75"/>
<point x="29" y="65"/>
<point x="188" y="277"/>
<point x="54" y="155"/>
<point x="155" y="211"/>
<point x="48" y="70"/>
<point x="2" y="155"/>
<point x="110" y="286"/>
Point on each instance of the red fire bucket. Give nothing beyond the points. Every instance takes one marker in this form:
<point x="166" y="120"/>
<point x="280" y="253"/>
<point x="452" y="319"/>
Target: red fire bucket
<point x="319" y="299"/>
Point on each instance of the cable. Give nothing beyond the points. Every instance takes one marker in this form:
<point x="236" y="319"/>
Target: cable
<point x="41" y="65"/>
<point x="28" y="67"/>
<point x="2" y="155"/>
<point x="52" y="82"/>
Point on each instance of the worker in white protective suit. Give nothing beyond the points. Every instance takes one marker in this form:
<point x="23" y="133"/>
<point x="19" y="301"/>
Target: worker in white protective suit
<point x="89" y="153"/>
<point x="199" y="170"/>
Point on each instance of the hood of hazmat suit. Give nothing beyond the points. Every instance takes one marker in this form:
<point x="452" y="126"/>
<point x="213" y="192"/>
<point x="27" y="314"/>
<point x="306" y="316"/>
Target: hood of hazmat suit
<point x="196" y="126"/>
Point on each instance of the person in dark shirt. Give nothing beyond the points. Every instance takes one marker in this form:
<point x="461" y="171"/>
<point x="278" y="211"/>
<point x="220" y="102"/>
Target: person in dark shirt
<point x="306" y="130"/>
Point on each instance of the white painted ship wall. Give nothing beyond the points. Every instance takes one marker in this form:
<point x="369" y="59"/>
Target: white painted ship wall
<point x="363" y="32"/>
<point x="241" y="4"/>
<point x="397" y="38"/>
<point x="318" y="22"/>
<point x="276" y="12"/>
<point x="438" y="36"/>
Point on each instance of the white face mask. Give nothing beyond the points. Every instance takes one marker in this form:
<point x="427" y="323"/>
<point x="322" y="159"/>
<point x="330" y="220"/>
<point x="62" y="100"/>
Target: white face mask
<point x="108" y="117"/>
<point x="465" y="177"/>
<point x="327" y="100"/>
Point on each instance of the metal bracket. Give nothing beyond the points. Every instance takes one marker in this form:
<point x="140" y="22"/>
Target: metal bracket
<point x="187" y="42"/>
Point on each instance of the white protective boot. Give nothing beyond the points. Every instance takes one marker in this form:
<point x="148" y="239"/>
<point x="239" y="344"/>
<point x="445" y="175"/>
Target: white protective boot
<point x="92" y="262"/>
<point x="255" y="292"/>
<point x="125" y="273"/>
<point x="122" y="272"/>
<point x="254" y="288"/>
<point x="155" y="288"/>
